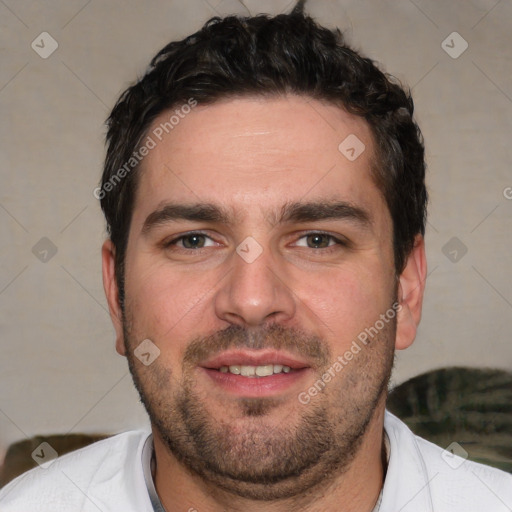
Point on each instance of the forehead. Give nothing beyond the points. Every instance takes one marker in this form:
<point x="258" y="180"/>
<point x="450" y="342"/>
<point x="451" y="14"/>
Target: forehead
<point x="256" y="154"/>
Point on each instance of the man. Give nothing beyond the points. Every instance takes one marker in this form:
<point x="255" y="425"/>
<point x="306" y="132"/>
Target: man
<point x="265" y="200"/>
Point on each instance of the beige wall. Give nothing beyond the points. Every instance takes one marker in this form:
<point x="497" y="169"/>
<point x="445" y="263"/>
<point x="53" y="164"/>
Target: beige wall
<point x="58" y="368"/>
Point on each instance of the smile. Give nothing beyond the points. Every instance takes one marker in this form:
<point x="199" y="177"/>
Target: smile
<point x="255" y="371"/>
<point x="249" y="373"/>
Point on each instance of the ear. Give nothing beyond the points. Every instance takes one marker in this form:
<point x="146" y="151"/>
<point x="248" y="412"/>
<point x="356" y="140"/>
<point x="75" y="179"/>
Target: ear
<point x="410" y="294"/>
<point x="108" y="252"/>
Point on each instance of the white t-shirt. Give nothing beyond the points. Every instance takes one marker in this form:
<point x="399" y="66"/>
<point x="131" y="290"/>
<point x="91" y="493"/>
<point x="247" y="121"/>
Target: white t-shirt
<point x="108" y="476"/>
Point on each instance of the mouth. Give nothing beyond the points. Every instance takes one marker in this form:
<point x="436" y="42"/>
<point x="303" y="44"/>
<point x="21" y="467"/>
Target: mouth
<point x="255" y="373"/>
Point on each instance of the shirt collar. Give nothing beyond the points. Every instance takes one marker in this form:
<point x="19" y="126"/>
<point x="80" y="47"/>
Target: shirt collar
<point x="147" y="466"/>
<point x="407" y="485"/>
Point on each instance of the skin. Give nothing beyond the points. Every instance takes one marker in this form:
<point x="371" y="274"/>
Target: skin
<point x="295" y="296"/>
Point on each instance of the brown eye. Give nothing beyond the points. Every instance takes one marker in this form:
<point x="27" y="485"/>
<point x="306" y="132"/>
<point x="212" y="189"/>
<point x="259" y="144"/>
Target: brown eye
<point x="193" y="241"/>
<point x="319" y="240"/>
<point x="189" y="241"/>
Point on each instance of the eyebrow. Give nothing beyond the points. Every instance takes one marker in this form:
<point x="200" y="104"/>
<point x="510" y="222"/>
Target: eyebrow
<point x="289" y="213"/>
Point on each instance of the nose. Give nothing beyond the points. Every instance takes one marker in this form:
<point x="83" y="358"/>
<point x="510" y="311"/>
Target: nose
<point x="255" y="292"/>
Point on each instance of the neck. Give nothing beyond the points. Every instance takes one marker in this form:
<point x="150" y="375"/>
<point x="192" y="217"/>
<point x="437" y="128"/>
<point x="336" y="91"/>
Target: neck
<point x="355" y="490"/>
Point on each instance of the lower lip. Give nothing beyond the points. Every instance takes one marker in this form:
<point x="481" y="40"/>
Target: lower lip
<point x="252" y="387"/>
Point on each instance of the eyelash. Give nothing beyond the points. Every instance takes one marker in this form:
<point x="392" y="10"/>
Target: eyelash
<point x="325" y="250"/>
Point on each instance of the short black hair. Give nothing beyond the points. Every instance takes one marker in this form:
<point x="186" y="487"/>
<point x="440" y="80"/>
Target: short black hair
<point x="269" y="56"/>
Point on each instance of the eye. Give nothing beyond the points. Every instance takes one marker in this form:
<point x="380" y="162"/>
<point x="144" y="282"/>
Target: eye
<point x="320" y="240"/>
<point x="194" y="240"/>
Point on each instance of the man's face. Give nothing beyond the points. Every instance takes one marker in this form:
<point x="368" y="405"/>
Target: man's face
<point x="272" y="285"/>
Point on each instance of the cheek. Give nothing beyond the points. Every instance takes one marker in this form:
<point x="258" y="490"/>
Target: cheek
<point x="164" y="302"/>
<point x="344" y="300"/>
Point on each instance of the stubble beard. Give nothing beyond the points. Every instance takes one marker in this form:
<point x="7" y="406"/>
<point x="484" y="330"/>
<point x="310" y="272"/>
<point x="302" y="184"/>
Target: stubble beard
<point x="260" y="461"/>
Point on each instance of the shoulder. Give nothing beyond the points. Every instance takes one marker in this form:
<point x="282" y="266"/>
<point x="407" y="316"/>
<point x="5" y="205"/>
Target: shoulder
<point x="77" y="480"/>
<point x="454" y="477"/>
<point x="441" y="479"/>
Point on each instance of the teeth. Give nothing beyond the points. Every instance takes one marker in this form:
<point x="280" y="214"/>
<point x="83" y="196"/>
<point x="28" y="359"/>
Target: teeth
<point x="263" y="371"/>
<point x="248" y="371"/>
<point x="255" y="371"/>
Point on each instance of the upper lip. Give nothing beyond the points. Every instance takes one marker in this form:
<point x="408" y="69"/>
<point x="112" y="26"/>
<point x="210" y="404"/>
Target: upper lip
<point x="254" y="358"/>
